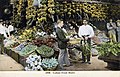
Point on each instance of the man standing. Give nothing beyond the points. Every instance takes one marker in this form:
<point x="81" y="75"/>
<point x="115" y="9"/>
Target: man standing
<point x="3" y="30"/>
<point x="62" y="44"/>
<point x="3" y="35"/>
<point x="86" y="33"/>
<point x="111" y="26"/>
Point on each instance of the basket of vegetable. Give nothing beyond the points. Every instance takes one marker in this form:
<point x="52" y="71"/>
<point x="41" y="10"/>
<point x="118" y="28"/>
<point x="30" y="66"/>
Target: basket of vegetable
<point x="20" y="47"/>
<point x="45" y="51"/>
<point x="49" y="64"/>
<point x="27" y="50"/>
<point x="33" y="63"/>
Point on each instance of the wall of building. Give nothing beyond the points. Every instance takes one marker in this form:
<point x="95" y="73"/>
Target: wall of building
<point x="3" y="4"/>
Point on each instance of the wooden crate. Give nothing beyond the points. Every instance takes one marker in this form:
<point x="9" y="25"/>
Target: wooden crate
<point x="15" y="56"/>
<point x="22" y="60"/>
<point x="8" y="52"/>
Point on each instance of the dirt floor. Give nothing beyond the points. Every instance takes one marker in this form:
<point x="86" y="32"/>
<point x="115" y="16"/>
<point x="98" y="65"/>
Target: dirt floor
<point x="96" y="65"/>
<point x="9" y="64"/>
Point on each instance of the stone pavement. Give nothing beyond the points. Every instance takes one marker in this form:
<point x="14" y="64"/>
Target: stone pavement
<point x="8" y="64"/>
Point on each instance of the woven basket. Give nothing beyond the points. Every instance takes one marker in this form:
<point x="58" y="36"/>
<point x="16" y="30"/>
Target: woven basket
<point x="48" y="54"/>
<point x="49" y="69"/>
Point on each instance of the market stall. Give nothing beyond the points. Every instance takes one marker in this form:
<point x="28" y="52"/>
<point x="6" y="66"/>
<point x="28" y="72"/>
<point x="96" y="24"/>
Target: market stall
<point x="35" y="45"/>
<point x="21" y="51"/>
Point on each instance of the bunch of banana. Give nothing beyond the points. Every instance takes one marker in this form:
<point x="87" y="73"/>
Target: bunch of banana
<point x="41" y="13"/>
<point x="30" y="10"/>
<point x="20" y="6"/>
<point x="69" y="5"/>
<point x="17" y="13"/>
<point x="77" y="7"/>
<point x="73" y="7"/>
<point x="51" y="5"/>
<point x="30" y="3"/>
<point x="65" y="7"/>
<point x="57" y="7"/>
<point x="114" y="10"/>
<point x="16" y="20"/>
<point x="95" y="10"/>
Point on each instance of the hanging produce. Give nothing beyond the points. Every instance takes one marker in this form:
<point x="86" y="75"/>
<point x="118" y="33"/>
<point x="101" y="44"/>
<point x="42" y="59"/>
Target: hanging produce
<point x="98" y="11"/>
<point x="30" y="10"/>
<point x="41" y="14"/>
<point x="114" y="11"/>
<point x="49" y="11"/>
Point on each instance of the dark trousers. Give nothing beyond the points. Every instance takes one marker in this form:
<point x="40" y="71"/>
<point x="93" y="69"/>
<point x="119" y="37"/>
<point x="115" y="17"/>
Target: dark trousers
<point x="86" y="54"/>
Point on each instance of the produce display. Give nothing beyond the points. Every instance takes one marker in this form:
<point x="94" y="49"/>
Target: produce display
<point x="38" y="42"/>
<point x="28" y="34"/>
<point x="49" y="64"/>
<point x="20" y="47"/>
<point x="49" y="41"/>
<point x="7" y="43"/>
<point x="109" y="48"/>
<point x="27" y="50"/>
<point x="33" y="63"/>
<point x="45" y="51"/>
<point x="14" y="44"/>
<point x="11" y="42"/>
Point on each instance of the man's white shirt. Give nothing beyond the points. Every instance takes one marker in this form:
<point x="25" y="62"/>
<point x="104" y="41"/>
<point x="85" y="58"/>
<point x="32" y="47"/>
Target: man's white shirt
<point x="86" y="30"/>
<point x="3" y="30"/>
<point x="10" y="28"/>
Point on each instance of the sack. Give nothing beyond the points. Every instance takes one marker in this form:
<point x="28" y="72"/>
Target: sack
<point x="94" y="51"/>
<point x="75" y="54"/>
<point x="96" y="40"/>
